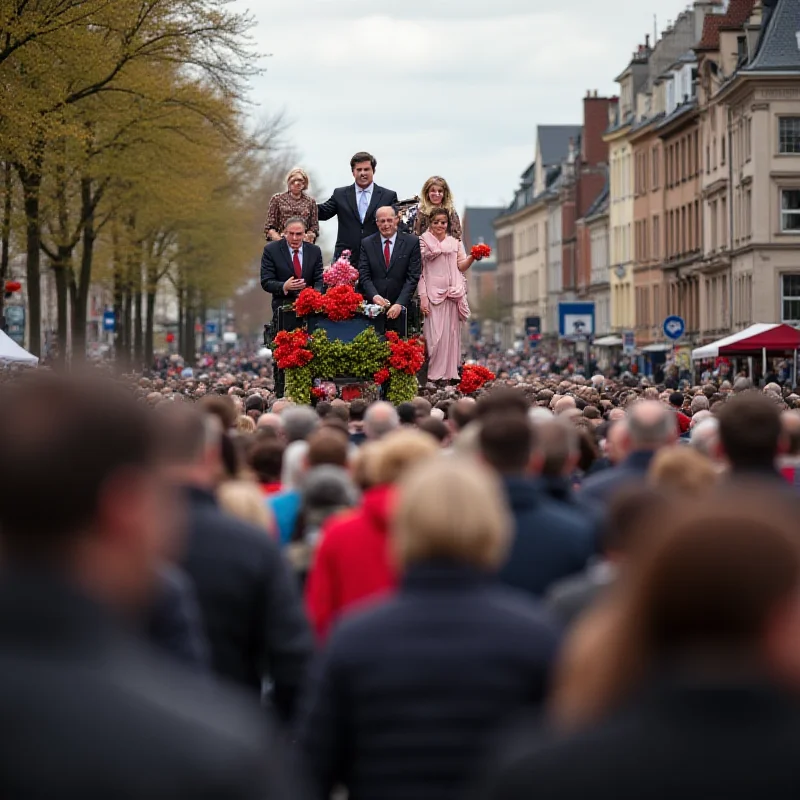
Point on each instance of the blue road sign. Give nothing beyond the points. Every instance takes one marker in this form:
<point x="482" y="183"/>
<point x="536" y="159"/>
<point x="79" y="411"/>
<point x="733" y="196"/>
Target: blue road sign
<point x="211" y="327"/>
<point x="576" y="320"/>
<point x="674" y="327"/>
<point x="109" y="321"/>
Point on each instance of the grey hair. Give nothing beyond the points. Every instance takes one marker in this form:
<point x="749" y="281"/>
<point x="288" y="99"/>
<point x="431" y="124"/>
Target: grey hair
<point x="294" y="221"/>
<point x="381" y="418"/>
<point x="299" y="422"/>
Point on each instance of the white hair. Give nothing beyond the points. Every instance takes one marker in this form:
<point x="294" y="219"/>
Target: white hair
<point x="294" y="459"/>
<point x="705" y="436"/>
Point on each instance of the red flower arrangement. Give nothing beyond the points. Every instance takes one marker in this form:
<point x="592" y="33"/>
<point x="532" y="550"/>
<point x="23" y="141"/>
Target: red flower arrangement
<point x="318" y="392"/>
<point x="406" y="356"/>
<point x="480" y="251"/>
<point x="381" y="376"/>
<point x="342" y="302"/>
<point x="309" y="301"/>
<point x="473" y="376"/>
<point x="290" y="349"/>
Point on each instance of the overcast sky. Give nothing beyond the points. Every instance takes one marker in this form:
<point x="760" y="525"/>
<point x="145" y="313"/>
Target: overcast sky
<point x="450" y="87"/>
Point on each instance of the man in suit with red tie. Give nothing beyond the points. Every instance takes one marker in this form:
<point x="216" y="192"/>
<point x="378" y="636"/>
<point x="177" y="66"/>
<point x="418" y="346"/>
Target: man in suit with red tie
<point x="355" y="206"/>
<point x="287" y="267"/>
<point x="389" y="268"/>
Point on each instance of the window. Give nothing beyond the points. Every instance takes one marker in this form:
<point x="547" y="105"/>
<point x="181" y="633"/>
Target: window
<point x="789" y="135"/>
<point x="722" y="145"/>
<point x="656" y="237"/>
<point x="655" y="169"/>
<point x="790" y="210"/>
<point x="790" y="298"/>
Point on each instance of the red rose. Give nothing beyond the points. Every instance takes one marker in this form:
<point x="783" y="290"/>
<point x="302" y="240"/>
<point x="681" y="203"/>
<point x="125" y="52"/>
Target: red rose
<point x="342" y="302"/>
<point x="381" y="376"/>
<point x="473" y="377"/>
<point x="480" y="251"/>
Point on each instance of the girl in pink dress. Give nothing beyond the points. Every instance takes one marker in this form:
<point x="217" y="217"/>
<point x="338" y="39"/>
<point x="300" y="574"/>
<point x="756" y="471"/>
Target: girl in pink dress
<point x="443" y="296"/>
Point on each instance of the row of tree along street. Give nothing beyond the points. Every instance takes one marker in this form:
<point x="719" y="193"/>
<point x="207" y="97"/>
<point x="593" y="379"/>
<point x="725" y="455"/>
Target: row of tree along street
<point x="126" y="159"/>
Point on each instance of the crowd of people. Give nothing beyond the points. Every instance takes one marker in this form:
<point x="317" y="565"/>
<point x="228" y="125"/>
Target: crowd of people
<point x="560" y="585"/>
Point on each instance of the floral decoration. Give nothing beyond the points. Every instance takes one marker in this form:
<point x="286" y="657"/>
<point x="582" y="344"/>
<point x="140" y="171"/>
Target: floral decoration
<point x="291" y="350"/>
<point x="473" y="377"/>
<point x="309" y="301"/>
<point x="342" y="302"/>
<point x="480" y="251"/>
<point x="341" y="272"/>
<point x="318" y="393"/>
<point x="406" y="355"/>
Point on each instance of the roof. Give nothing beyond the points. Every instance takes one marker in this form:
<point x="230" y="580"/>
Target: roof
<point x="768" y="336"/>
<point x="600" y="205"/>
<point x="478" y="224"/>
<point x="554" y="142"/>
<point x="778" y="49"/>
<point x="736" y="15"/>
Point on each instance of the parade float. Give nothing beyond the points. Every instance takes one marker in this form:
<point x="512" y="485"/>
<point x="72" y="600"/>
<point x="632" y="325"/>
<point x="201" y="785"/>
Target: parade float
<point x="335" y="343"/>
<point x="339" y="344"/>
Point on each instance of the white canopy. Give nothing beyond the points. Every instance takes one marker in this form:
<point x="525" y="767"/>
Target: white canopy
<point x="11" y="353"/>
<point x="608" y="341"/>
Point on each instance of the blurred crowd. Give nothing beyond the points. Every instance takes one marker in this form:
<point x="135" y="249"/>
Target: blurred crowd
<point x="560" y="586"/>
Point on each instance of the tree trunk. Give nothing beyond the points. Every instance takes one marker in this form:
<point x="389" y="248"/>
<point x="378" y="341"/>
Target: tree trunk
<point x="127" y="315"/>
<point x="189" y="346"/>
<point x="31" y="180"/>
<point x="181" y="314"/>
<point x="80" y="295"/>
<point x="138" y="331"/>
<point x="5" y="235"/>
<point x="119" y="280"/>
<point x="149" y="348"/>
<point x="61" y="271"/>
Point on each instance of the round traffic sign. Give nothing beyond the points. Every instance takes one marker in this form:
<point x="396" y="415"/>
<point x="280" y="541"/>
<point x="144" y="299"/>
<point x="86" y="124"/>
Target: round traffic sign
<point x="674" y="327"/>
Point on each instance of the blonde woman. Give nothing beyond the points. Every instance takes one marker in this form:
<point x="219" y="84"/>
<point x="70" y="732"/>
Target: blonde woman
<point x="411" y="692"/>
<point x="294" y="202"/>
<point x="435" y="195"/>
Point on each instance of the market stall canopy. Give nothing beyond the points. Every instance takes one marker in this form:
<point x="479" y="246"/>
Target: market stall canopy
<point x="767" y="336"/>
<point x="12" y="354"/>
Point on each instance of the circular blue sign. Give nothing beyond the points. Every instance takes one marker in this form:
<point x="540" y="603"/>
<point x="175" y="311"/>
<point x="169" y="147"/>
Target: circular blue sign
<point x="674" y="327"/>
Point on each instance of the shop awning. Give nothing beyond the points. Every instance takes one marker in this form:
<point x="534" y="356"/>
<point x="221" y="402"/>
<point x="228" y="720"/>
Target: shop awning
<point x="661" y="347"/>
<point x="769" y="336"/>
<point x="608" y="341"/>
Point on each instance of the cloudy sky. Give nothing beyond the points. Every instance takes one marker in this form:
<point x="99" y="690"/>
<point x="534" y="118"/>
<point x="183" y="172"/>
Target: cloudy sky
<point x="450" y="87"/>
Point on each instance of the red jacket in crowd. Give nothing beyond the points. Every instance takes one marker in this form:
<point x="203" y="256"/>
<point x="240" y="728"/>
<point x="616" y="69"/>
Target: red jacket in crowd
<point x="352" y="563"/>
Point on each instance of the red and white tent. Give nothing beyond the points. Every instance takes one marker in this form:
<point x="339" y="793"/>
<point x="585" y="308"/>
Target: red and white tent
<point x="764" y="338"/>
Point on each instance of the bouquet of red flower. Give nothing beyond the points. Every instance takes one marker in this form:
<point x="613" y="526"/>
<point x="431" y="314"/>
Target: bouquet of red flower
<point x="309" y="301"/>
<point x="480" y="251"/>
<point x="473" y="376"/>
<point x="381" y="376"/>
<point x="342" y="302"/>
<point x="406" y="355"/>
<point x="341" y="272"/>
<point x="318" y="392"/>
<point x="290" y="349"/>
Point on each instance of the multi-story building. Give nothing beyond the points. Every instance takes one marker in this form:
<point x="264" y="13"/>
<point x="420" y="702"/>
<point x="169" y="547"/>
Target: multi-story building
<point x="621" y="191"/>
<point x="749" y="91"/>
<point x="593" y="262"/>
<point x="682" y="236"/>
<point x="719" y="54"/>
<point x="585" y="178"/>
<point x="482" y="276"/>
<point x="524" y="235"/>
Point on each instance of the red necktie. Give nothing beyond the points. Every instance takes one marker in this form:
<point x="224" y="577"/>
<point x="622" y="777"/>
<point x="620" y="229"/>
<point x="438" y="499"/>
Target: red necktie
<point x="298" y="269"/>
<point x="387" y="256"/>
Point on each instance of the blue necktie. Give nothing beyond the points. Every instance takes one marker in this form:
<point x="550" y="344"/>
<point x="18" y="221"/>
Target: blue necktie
<point x="363" y="205"/>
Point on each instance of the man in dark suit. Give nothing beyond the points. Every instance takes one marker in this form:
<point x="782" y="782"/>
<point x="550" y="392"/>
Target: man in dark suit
<point x="287" y="267"/>
<point x="355" y="206"/>
<point x="389" y="267"/>
<point x="290" y="265"/>
<point x="95" y="710"/>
